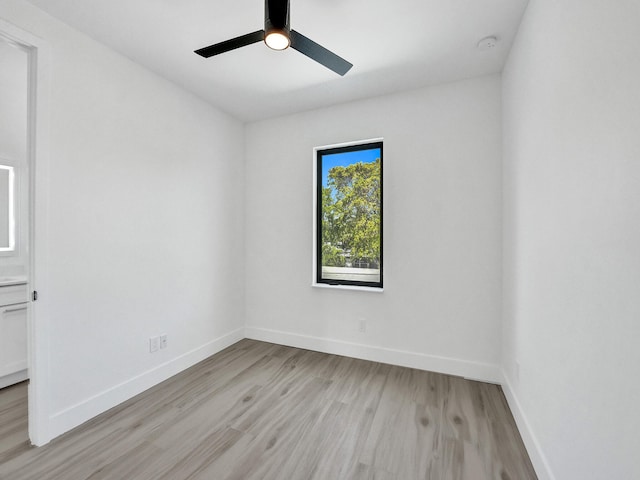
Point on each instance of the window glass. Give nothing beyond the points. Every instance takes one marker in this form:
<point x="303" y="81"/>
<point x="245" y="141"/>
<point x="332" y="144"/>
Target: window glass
<point x="349" y="215"/>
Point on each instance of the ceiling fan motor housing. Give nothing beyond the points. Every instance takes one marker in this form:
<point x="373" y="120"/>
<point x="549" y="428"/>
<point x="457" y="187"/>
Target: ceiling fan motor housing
<point x="276" y="17"/>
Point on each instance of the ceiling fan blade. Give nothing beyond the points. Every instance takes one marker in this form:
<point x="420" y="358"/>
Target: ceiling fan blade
<point x="318" y="53"/>
<point x="232" y="44"/>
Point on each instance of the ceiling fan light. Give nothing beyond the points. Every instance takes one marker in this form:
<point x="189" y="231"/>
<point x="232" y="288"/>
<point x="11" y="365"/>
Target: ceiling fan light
<point x="277" y="40"/>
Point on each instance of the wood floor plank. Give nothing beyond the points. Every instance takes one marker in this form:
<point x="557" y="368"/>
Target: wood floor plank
<point x="367" y="472"/>
<point x="13" y="421"/>
<point x="263" y="411"/>
<point x="143" y="459"/>
<point x="278" y="429"/>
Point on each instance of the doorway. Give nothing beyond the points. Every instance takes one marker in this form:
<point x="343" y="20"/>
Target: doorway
<point x="14" y="213"/>
<point x="23" y="266"/>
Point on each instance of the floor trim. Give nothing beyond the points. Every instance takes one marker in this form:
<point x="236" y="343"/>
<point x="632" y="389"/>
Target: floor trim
<point x="484" y="372"/>
<point x="71" y="417"/>
<point x="538" y="458"/>
<point x="14" y="378"/>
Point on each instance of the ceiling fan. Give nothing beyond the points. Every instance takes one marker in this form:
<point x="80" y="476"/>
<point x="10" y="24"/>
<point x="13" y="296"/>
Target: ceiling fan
<point x="277" y="34"/>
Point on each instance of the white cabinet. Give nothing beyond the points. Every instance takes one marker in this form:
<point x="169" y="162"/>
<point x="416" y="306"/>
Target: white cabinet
<point x="13" y="334"/>
<point x="11" y="294"/>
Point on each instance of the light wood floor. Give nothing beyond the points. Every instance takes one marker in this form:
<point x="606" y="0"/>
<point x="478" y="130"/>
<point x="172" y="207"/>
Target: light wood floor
<point x="14" y="438"/>
<point x="263" y="411"/>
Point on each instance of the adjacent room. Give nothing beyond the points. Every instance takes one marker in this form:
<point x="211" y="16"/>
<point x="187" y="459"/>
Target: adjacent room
<point x="309" y="239"/>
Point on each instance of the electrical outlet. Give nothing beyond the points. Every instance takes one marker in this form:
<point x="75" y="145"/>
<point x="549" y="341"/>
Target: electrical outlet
<point x="163" y="341"/>
<point x="362" y="325"/>
<point x="154" y="344"/>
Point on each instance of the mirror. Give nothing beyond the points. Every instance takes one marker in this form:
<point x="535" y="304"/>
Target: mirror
<point x="7" y="209"/>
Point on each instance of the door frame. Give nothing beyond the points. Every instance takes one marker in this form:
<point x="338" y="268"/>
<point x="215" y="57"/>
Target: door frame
<point x="38" y="170"/>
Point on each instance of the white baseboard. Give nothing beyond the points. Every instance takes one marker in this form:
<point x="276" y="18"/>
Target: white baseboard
<point x="71" y="417"/>
<point x="463" y="368"/>
<point x="538" y="459"/>
<point x="14" y="378"/>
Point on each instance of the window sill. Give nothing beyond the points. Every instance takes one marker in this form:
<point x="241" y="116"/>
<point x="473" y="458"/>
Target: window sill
<point x="348" y="287"/>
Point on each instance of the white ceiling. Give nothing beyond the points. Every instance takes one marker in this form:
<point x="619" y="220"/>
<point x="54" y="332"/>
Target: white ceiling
<point x="394" y="45"/>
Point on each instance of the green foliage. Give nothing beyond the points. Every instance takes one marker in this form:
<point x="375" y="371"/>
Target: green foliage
<point x="351" y="213"/>
<point x="332" y="256"/>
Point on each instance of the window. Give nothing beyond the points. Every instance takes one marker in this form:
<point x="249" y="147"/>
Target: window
<point x="348" y="217"/>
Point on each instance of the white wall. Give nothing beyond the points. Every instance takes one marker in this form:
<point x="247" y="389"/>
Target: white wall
<point x="13" y="102"/>
<point x="441" y="306"/>
<point x="572" y="236"/>
<point x="13" y="146"/>
<point x="145" y="223"/>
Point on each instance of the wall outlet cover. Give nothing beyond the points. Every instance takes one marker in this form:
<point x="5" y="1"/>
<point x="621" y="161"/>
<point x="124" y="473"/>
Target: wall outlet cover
<point x="154" y="344"/>
<point x="362" y="326"/>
